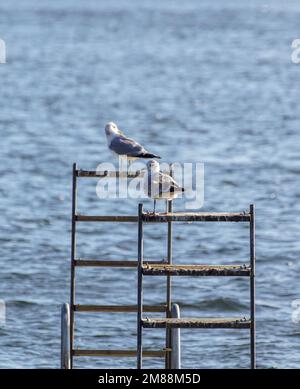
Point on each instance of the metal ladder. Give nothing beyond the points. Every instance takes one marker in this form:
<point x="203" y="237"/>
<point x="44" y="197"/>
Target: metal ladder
<point x="169" y="270"/>
<point x="69" y="311"/>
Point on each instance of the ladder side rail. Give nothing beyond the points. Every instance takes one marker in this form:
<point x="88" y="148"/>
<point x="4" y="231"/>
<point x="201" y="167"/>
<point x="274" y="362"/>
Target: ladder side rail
<point x="169" y="284"/>
<point x="252" y="287"/>
<point x="140" y="289"/>
<point x="73" y="255"/>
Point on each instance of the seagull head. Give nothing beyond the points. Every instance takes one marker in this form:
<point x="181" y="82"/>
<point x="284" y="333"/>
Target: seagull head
<point x="111" y="129"/>
<point x="153" y="166"/>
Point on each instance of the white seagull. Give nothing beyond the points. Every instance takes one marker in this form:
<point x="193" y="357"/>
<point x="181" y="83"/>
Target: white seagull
<point x="158" y="185"/>
<point x="120" y="145"/>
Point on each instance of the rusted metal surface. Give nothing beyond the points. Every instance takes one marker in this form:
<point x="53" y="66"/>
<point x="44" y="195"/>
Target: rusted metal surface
<point x="197" y="323"/>
<point x="168" y="217"/>
<point x="252" y="287"/>
<point x="119" y="353"/>
<point x="118" y="308"/>
<point x="111" y="263"/>
<point x="197" y="270"/>
<point x="119" y="219"/>
<point x="195" y="217"/>
<point x="105" y="173"/>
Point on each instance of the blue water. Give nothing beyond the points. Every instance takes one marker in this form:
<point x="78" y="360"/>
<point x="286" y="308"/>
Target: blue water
<point x="208" y="81"/>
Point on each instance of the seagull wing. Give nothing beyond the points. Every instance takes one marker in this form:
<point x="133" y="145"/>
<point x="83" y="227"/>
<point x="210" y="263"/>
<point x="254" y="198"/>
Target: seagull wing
<point x="125" y="146"/>
<point x="161" y="185"/>
<point x="168" y="184"/>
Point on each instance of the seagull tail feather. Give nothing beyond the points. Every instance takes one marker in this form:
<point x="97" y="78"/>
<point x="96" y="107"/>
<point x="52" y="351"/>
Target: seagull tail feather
<point x="174" y="189"/>
<point x="149" y="155"/>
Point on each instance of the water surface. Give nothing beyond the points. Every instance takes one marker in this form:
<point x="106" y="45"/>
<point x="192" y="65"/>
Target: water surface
<point x="197" y="81"/>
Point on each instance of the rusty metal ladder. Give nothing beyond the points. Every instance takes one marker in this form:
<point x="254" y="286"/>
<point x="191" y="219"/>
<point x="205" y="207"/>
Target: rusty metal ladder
<point x="169" y="270"/>
<point x="68" y="352"/>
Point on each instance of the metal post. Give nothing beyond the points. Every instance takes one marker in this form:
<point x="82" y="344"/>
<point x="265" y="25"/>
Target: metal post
<point x="175" y="340"/>
<point x="73" y="255"/>
<point x="65" y="354"/>
<point x="140" y="290"/>
<point x="252" y="285"/>
<point x="169" y="280"/>
<point x="169" y="287"/>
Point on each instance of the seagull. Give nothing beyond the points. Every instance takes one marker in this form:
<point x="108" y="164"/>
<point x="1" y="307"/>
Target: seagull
<point x="120" y="145"/>
<point x="158" y="185"/>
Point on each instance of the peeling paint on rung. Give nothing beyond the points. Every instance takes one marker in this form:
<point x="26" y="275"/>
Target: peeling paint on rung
<point x="197" y="270"/>
<point x="196" y="217"/>
<point x="165" y="218"/>
<point x="197" y="323"/>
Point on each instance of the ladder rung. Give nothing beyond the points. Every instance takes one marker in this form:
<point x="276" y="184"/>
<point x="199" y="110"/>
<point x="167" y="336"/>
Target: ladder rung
<point x="111" y="263"/>
<point x="168" y="217"/>
<point x="196" y="217"/>
<point x="104" y="263"/>
<point x="105" y="173"/>
<point x="197" y="270"/>
<point x="197" y="323"/>
<point x="118" y="308"/>
<point x="116" y="218"/>
<point x="119" y="353"/>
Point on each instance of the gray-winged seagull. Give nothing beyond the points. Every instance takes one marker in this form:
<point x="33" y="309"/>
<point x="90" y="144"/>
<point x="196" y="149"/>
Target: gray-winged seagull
<point x="121" y="145"/>
<point x="158" y="185"/>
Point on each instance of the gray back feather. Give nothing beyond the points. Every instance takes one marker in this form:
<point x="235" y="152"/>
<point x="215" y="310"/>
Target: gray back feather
<point x="126" y="146"/>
